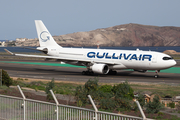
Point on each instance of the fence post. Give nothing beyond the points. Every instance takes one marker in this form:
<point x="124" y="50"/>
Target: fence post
<point x="57" y="103"/>
<point x="24" y="101"/>
<point x="94" y="106"/>
<point x="140" y="109"/>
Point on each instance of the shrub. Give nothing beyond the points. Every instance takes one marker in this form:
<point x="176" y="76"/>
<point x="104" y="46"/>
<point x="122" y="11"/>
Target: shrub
<point x="81" y="95"/>
<point x="106" y="88"/>
<point x="49" y="86"/>
<point x="141" y="100"/>
<point x="172" y="105"/>
<point x="91" y="85"/>
<point x="155" y="106"/>
<point x="123" y="103"/>
<point x="6" y="80"/>
<point x="98" y="95"/>
<point x="123" y="95"/>
<point x="107" y="104"/>
<point x="79" y="103"/>
<point x="106" y="96"/>
<point x="135" y="107"/>
<point x="123" y="90"/>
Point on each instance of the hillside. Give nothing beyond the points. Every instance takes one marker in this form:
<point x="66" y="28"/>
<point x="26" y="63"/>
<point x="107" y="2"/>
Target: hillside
<point x="120" y="35"/>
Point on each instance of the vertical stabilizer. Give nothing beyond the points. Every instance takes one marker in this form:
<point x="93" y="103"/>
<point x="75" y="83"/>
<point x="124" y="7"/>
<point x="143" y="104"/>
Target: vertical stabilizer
<point x="45" y="38"/>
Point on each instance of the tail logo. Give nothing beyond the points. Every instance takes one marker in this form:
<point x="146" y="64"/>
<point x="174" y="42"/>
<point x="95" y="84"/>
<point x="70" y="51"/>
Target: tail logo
<point x="44" y="36"/>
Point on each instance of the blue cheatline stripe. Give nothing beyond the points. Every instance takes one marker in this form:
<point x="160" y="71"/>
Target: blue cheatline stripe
<point x="170" y="70"/>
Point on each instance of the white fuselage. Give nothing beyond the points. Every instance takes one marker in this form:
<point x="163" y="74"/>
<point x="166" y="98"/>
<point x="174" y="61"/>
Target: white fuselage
<point x="118" y="59"/>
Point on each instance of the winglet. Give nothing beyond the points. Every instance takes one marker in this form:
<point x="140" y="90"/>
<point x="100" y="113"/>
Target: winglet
<point x="9" y="52"/>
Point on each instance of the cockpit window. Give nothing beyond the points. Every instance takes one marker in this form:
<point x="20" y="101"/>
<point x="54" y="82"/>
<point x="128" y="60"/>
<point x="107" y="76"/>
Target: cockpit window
<point x="167" y="58"/>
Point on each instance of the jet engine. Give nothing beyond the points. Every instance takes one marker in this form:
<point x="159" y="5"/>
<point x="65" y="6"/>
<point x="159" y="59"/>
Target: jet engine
<point x="100" y="68"/>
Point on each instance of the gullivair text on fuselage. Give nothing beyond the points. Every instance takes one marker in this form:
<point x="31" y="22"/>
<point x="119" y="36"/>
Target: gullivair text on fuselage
<point x="105" y="55"/>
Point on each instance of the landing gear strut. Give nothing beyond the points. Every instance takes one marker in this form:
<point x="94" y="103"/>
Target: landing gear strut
<point x="156" y="75"/>
<point x="87" y="72"/>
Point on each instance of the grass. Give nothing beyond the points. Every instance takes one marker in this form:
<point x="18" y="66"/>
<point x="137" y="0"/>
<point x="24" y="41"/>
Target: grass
<point x="175" y="56"/>
<point x="161" y="89"/>
<point x="60" y="88"/>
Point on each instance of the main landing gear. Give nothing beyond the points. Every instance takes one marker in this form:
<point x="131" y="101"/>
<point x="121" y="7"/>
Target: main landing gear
<point x="87" y="72"/>
<point x="111" y="72"/>
<point x="156" y="75"/>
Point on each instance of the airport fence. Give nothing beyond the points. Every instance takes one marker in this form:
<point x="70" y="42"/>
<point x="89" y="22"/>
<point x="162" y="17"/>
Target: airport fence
<point x="15" y="108"/>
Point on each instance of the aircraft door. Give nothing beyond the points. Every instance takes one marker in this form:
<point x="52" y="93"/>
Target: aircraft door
<point x="154" y="59"/>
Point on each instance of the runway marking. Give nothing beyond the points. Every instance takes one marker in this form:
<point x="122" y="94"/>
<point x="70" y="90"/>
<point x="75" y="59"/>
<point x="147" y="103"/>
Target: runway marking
<point x="46" y="64"/>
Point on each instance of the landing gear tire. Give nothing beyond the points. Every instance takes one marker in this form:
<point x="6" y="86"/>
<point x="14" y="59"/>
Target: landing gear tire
<point x="83" y="72"/>
<point x="87" y="73"/>
<point x="156" y="76"/>
<point x="112" y="72"/>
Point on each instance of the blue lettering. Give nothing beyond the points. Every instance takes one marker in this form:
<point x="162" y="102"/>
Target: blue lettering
<point x="133" y="57"/>
<point x="120" y="56"/>
<point x="140" y="56"/>
<point x="108" y="57"/>
<point x="147" y="57"/>
<point x="126" y="58"/>
<point x="91" y="54"/>
<point x="114" y="57"/>
<point x="100" y="56"/>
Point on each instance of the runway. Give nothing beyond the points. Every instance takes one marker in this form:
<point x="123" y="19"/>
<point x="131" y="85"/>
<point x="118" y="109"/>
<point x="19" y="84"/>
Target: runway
<point x="62" y="73"/>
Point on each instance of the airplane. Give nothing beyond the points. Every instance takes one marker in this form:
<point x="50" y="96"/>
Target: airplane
<point x="99" y="61"/>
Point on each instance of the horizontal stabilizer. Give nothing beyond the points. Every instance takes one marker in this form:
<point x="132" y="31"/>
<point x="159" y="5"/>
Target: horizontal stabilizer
<point x="9" y="52"/>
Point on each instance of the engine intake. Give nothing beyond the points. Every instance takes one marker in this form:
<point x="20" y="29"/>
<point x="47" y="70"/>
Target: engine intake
<point x="100" y="68"/>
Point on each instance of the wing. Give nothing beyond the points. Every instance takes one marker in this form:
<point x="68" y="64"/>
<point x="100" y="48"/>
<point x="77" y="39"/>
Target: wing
<point x="62" y="58"/>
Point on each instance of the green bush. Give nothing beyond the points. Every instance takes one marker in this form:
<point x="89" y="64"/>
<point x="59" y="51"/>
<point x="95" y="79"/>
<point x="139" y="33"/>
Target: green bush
<point x="106" y="88"/>
<point x="91" y="85"/>
<point x="98" y="95"/>
<point x="141" y="100"/>
<point x="6" y="80"/>
<point x="106" y="96"/>
<point x="172" y="105"/>
<point x="155" y="106"/>
<point x="123" y="95"/>
<point x="81" y="94"/>
<point x="123" y="103"/>
<point x="107" y="104"/>
<point x="123" y="90"/>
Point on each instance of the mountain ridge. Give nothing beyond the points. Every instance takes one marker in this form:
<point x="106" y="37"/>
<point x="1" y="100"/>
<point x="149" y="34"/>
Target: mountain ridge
<point x="120" y="35"/>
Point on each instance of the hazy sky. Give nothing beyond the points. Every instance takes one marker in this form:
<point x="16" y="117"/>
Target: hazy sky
<point x="68" y="16"/>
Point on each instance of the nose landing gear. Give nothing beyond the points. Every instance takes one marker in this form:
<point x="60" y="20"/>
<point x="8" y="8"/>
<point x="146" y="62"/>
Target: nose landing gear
<point x="156" y="75"/>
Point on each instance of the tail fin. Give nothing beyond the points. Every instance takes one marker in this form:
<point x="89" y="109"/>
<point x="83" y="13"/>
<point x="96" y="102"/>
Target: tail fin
<point x="45" y="38"/>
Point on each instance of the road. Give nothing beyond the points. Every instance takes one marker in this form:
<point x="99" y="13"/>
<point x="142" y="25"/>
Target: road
<point x="74" y="74"/>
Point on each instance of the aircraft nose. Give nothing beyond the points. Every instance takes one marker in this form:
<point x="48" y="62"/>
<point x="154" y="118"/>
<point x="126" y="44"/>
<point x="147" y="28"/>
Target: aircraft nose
<point x="174" y="63"/>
